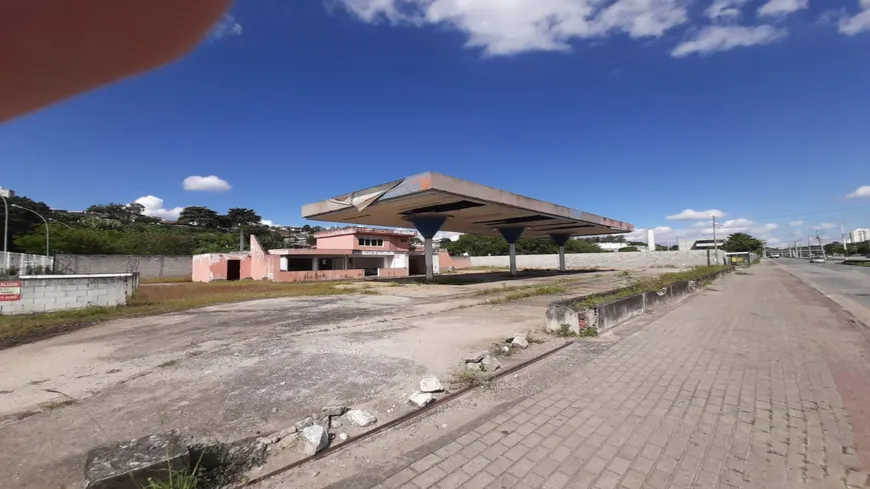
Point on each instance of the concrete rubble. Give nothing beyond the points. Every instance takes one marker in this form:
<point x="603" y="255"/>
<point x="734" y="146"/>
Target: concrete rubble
<point x="314" y="439"/>
<point x="520" y="341"/>
<point x="130" y="464"/>
<point x="483" y="361"/>
<point x="430" y="383"/>
<point x="476" y="357"/>
<point x="361" y="418"/>
<point x="420" y="399"/>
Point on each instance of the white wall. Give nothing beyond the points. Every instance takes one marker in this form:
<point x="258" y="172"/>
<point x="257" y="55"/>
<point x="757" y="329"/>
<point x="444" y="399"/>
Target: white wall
<point x="42" y="293"/>
<point x="603" y="260"/>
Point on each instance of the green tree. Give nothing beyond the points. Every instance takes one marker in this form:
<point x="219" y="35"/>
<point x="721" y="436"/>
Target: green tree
<point x="626" y="249"/>
<point x="243" y="217"/>
<point x="23" y="222"/>
<point x="199" y="216"/>
<point x="835" y="248"/>
<point x="742" y="242"/>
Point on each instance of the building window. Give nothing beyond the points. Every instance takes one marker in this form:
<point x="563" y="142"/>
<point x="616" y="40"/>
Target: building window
<point x="371" y="242"/>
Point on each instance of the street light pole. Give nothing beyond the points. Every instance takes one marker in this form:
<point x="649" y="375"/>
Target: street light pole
<point x="47" y="248"/>
<point x="5" y="230"/>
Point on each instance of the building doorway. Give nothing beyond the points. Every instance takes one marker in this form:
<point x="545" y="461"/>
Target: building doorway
<point x="234" y="269"/>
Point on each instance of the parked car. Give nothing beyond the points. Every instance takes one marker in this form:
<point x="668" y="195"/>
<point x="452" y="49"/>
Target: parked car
<point x="817" y="259"/>
<point x="775" y="255"/>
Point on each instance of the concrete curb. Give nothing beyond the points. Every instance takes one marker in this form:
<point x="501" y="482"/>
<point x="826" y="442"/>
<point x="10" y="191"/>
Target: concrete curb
<point x="859" y="312"/>
<point x="610" y="314"/>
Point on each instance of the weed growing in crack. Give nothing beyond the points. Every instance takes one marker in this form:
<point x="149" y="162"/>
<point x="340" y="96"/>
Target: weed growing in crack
<point x="467" y="378"/>
<point x="178" y="479"/>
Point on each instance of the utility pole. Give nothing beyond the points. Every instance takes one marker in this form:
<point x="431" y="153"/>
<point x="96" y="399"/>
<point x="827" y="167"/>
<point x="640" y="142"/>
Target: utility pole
<point x="241" y="239"/>
<point x="845" y="244"/>
<point x="809" y="248"/>
<point x="715" y="241"/>
<point x="820" y="245"/>
<point x="5" y="229"/>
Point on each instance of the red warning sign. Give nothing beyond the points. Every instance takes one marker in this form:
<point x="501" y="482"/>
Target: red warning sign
<point x="10" y="290"/>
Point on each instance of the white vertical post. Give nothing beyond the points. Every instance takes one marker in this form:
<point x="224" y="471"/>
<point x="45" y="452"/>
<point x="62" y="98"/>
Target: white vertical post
<point x="427" y="250"/>
<point x="562" y="267"/>
<point x="513" y="250"/>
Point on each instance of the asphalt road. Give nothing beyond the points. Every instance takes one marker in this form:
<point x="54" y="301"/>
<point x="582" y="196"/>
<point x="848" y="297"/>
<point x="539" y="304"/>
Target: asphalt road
<point x="849" y="281"/>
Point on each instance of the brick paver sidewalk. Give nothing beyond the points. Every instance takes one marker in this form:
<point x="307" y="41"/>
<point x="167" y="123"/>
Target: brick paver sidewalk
<point x="737" y="388"/>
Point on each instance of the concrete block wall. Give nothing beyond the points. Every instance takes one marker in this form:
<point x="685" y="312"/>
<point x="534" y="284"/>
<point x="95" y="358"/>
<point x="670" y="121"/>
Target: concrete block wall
<point x="145" y="266"/>
<point x="681" y="259"/>
<point x="44" y="293"/>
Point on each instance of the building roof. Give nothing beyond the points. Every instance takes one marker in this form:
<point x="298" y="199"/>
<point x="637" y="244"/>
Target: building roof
<point x="364" y="230"/>
<point x="468" y="206"/>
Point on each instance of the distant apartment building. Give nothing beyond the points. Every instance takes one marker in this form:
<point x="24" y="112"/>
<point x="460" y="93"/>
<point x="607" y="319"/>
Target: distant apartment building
<point x="859" y="235"/>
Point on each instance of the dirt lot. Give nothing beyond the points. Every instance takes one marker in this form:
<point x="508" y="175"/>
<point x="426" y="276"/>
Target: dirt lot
<point x="234" y="371"/>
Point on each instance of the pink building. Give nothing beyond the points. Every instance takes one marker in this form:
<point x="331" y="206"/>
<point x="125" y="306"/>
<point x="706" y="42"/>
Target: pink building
<point x="346" y="253"/>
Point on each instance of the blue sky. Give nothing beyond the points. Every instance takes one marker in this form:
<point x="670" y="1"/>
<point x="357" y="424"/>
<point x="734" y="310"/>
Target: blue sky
<point x="632" y="109"/>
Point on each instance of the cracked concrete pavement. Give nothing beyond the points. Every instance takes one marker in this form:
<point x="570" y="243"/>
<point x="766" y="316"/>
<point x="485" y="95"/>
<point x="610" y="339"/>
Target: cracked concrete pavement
<point x="237" y="370"/>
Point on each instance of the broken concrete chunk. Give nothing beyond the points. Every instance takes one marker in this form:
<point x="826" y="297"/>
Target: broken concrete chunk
<point x="476" y="357"/>
<point x="343" y="436"/>
<point x="288" y="441"/>
<point x="474" y="366"/>
<point x="490" y="363"/>
<point x="305" y="423"/>
<point x="334" y="423"/>
<point x="506" y="349"/>
<point x="420" y="399"/>
<point x="285" y="432"/>
<point x="520" y="342"/>
<point x="314" y="439"/>
<point x="430" y="383"/>
<point x="360" y="418"/>
<point x="129" y="464"/>
<point x="510" y="338"/>
<point x="333" y="410"/>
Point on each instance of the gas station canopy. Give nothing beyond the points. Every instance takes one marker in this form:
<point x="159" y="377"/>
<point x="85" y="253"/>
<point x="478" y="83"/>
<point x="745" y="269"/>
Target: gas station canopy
<point x="467" y="206"/>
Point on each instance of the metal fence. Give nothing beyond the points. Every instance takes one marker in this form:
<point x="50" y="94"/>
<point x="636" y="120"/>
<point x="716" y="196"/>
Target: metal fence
<point x="23" y="264"/>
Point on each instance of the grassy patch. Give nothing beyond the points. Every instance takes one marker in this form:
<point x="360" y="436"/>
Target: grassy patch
<point x="168" y="363"/>
<point x="502" y="349"/>
<point x="534" y="292"/>
<point x="178" y="279"/>
<point x="857" y="263"/>
<point x="525" y="291"/>
<point x="648" y="285"/>
<point x="148" y="301"/>
<point x="464" y="377"/>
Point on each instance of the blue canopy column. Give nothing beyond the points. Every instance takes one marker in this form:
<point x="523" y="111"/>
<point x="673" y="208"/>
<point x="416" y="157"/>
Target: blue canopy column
<point x="561" y="240"/>
<point x="428" y="226"/>
<point x="512" y="235"/>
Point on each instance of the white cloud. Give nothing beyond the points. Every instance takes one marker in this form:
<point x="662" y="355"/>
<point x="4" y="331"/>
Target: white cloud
<point x="858" y="23"/>
<point x="154" y="208"/>
<point x="824" y="226"/>
<point x="725" y="10"/>
<point x="782" y="7"/>
<point x="267" y="222"/>
<point x="504" y="27"/>
<point x="210" y="183"/>
<point x="717" y="38"/>
<point x="693" y="215"/>
<point x="861" y="192"/>
<point x="796" y="223"/>
<point x="226" y="27"/>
